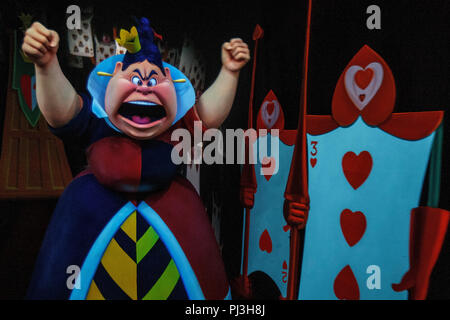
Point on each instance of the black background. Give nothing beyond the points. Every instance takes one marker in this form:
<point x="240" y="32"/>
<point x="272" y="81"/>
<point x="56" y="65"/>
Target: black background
<point x="413" y="40"/>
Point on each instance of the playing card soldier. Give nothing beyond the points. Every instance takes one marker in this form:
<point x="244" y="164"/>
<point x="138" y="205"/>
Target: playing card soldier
<point x="341" y="218"/>
<point x="371" y="169"/>
<point x="135" y="228"/>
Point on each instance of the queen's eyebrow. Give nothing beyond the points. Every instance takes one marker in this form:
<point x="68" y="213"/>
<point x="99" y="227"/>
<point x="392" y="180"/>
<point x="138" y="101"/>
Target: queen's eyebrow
<point x="139" y="72"/>
<point x="145" y="78"/>
<point x="152" y="73"/>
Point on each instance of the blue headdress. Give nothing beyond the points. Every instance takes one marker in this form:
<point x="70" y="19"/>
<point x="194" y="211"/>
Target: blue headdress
<point x="141" y="48"/>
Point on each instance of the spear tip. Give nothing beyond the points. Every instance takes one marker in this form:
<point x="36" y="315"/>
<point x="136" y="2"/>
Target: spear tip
<point x="258" y="33"/>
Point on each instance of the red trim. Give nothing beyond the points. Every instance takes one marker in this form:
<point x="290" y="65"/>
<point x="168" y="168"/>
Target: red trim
<point x="317" y="125"/>
<point x="413" y="125"/>
<point x="407" y="126"/>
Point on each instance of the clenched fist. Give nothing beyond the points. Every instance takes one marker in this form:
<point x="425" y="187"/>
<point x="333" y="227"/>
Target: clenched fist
<point x="40" y="44"/>
<point x="235" y="54"/>
<point x="295" y="213"/>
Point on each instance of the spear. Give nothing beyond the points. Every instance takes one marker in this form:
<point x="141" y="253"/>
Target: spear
<point x="296" y="203"/>
<point x="248" y="178"/>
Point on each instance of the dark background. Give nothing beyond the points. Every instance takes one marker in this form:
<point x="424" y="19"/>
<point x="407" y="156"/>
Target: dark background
<point x="413" y="40"/>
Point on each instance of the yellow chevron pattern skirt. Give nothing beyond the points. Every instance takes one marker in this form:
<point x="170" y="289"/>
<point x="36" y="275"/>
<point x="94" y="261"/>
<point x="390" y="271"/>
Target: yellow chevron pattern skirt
<point x="136" y="265"/>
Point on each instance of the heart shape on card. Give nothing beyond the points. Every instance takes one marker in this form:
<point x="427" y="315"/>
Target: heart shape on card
<point x="353" y="226"/>
<point x="357" y="168"/>
<point x="363" y="78"/>
<point x="265" y="241"/>
<point x="345" y="285"/>
<point x="366" y="88"/>
<point x="270" y="112"/>
<point x="363" y="84"/>
<point x="313" y="162"/>
<point x="268" y="167"/>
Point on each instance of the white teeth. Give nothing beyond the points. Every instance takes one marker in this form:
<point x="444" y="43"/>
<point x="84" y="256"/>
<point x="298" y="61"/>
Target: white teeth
<point x="143" y="103"/>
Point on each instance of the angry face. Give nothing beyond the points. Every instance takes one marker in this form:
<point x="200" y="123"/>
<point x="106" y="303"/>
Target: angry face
<point x="141" y="100"/>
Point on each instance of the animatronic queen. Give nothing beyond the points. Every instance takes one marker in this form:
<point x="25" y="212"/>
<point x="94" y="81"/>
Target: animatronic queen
<point x="134" y="227"/>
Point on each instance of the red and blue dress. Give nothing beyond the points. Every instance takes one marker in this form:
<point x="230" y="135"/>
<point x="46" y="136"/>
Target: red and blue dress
<point x="131" y="225"/>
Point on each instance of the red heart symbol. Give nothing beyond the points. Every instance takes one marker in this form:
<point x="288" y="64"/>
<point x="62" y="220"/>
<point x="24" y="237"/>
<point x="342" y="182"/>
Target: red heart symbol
<point x="265" y="242"/>
<point x="270" y="108"/>
<point x="353" y="226"/>
<point x="357" y="167"/>
<point x="284" y="265"/>
<point x="313" y="162"/>
<point x="363" y="77"/>
<point x="345" y="285"/>
<point x="25" y="85"/>
<point x="267" y="164"/>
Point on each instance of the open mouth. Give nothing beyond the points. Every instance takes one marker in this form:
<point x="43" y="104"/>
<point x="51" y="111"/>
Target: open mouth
<point x="142" y="112"/>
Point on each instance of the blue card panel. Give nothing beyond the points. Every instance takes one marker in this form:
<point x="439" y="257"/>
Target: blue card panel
<point x="267" y="215"/>
<point x="392" y="188"/>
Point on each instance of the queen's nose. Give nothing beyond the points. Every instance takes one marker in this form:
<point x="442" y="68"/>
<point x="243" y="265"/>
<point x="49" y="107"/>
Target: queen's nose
<point x="144" y="89"/>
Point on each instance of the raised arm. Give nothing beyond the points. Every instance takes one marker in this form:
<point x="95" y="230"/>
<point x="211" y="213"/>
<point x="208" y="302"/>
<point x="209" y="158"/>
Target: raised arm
<point x="57" y="99"/>
<point x="215" y="103"/>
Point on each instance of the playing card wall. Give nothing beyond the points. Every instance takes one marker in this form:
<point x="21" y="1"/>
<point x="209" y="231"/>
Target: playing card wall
<point x="80" y="40"/>
<point x="192" y="65"/>
<point x="104" y="50"/>
<point x="189" y="62"/>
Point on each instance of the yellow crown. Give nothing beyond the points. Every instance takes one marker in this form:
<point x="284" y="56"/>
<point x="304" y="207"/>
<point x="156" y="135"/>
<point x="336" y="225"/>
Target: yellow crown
<point x="129" y="40"/>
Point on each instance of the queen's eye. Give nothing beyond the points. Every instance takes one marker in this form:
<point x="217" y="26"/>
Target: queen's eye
<point x="136" y="80"/>
<point x="152" y="82"/>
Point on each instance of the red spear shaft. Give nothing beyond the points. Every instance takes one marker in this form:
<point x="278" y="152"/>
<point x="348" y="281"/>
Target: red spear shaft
<point x="258" y="33"/>
<point x="248" y="178"/>
<point x="296" y="204"/>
